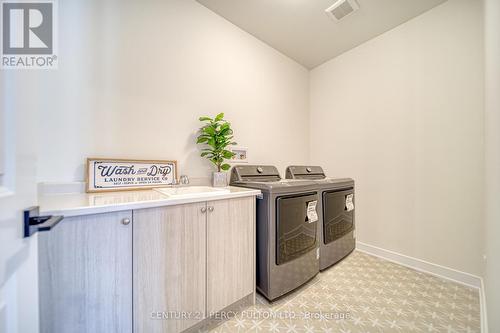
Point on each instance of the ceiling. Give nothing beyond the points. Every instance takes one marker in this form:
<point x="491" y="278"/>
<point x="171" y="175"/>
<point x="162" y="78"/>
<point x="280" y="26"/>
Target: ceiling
<point x="303" y="31"/>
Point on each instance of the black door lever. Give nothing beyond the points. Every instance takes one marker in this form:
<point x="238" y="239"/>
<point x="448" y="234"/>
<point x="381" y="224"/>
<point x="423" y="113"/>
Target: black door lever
<point x="33" y="222"/>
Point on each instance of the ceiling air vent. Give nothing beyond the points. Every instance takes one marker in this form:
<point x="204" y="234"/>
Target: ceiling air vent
<point x="341" y="9"/>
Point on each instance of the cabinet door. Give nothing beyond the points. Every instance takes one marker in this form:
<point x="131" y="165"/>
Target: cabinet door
<point x="231" y="251"/>
<point x="169" y="267"/>
<point x="85" y="275"/>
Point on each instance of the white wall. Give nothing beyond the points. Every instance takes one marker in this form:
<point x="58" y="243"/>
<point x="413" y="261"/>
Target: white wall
<point x="134" y="77"/>
<point x="403" y="115"/>
<point x="492" y="162"/>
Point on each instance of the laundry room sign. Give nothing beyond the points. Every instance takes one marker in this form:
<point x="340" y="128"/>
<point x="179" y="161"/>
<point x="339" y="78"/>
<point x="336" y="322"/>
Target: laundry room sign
<point x="120" y="174"/>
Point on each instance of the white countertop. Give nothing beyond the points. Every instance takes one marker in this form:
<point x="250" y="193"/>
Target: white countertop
<point x="75" y="204"/>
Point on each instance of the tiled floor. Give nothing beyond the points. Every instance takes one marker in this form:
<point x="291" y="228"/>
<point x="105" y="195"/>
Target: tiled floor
<point x="365" y="294"/>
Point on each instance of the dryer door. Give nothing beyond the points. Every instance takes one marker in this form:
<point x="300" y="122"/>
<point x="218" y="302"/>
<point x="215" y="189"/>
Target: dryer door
<point x="295" y="231"/>
<point x="338" y="219"/>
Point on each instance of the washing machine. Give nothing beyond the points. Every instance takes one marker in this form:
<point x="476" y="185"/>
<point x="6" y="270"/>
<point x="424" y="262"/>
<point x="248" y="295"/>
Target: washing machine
<point x="287" y="228"/>
<point x="336" y="209"/>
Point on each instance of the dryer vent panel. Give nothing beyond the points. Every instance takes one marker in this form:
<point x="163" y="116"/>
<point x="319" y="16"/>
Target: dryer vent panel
<point x="341" y="9"/>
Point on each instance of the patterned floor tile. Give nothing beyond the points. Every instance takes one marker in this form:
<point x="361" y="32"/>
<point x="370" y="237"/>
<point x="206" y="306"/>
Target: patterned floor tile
<point x="365" y="294"/>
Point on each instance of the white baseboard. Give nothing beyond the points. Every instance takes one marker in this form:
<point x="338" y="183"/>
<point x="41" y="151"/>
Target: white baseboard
<point x="433" y="269"/>
<point x="421" y="265"/>
<point x="484" y="311"/>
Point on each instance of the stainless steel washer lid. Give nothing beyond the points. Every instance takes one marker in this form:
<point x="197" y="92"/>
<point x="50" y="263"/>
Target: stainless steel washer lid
<point x="266" y="178"/>
<point x="316" y="174"/>
<point x="304" y="172"/>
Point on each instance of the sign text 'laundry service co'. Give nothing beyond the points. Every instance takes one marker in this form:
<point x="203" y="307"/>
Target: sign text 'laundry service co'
<point x="119" y="174"/>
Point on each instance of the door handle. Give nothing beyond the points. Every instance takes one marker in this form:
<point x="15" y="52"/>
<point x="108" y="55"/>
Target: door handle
<point x="33" y="222"/>
<point x="211" y="209"/>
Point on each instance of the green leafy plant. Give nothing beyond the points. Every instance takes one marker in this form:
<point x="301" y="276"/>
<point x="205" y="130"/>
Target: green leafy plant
<point x="217" y="135"/>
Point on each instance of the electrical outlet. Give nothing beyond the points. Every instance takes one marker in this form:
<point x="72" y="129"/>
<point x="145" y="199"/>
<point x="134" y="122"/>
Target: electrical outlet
<point x="240" y="155"/>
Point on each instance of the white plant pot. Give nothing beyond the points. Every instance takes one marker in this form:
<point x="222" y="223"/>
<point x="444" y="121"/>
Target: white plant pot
<point x="219" y="179"/>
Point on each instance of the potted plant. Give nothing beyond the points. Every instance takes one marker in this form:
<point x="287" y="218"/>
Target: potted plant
<point x="217" y="136"/>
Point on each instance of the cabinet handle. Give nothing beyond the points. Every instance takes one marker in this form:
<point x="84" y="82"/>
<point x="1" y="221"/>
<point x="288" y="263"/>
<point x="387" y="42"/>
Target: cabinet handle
<point x="203" y="210"/>
<point x="126" y="221"/>
<point x="211" y="209"/>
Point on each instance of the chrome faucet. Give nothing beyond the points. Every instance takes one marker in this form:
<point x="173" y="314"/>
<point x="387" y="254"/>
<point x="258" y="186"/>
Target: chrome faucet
<point x="184" y="180"/>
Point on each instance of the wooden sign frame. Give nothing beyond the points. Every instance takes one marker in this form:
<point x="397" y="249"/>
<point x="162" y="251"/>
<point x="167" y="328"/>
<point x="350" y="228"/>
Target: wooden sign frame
<point x="153" y="173"/>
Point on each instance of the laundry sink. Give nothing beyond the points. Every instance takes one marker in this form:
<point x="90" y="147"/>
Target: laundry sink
<point x="192" y="191"/>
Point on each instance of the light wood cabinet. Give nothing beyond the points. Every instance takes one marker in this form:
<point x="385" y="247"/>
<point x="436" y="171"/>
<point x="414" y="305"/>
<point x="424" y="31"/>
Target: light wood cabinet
<point x="85" y="275"/>
<point x="160" y="269"/>
<point x="231" y="251"/>
<point x="169" y="267"/>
